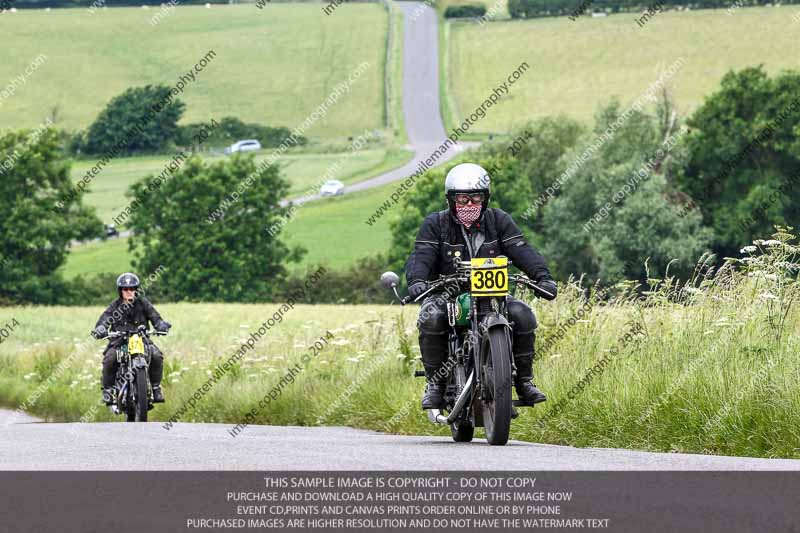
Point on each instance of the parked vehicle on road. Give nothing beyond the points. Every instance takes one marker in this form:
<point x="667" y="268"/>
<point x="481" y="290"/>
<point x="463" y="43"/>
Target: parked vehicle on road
<point x="332" y="188"/>
<point x="249" y="145"/>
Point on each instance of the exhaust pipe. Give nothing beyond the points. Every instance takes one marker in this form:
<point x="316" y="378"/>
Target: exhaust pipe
<point x="436" y="416"/>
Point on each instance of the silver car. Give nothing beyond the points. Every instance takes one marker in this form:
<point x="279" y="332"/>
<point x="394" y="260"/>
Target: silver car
<point x="249" y="145"/>
<point x="332" y="188"/>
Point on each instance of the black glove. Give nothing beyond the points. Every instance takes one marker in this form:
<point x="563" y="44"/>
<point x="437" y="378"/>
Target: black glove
<point x="550" y="286"/>
<point x="99" y="332"/>
<point x="163" y="326"/>
<point x="417" y="288"/>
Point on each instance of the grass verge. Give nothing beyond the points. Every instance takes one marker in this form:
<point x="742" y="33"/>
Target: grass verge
<point x="716" y="373"/>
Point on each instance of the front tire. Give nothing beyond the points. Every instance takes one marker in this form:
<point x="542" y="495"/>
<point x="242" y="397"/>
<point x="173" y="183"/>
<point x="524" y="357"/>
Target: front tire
<point x="497" y="400"/>
<point x="462" y="431"/>
<point x="141" y="395"/>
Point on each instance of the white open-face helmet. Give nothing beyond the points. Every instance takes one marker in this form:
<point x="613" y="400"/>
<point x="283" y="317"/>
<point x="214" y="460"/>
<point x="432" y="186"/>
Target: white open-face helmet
<point x="466" y="178"/>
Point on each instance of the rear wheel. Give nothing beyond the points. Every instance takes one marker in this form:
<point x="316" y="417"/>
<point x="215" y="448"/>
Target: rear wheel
<point x="497" y="401"/>
<point x="141" y="395"/>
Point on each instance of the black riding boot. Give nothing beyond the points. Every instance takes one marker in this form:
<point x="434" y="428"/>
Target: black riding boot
<point x="433" y="397"/>
<point x="526" y="390"/>
<point x="158" y="394"/>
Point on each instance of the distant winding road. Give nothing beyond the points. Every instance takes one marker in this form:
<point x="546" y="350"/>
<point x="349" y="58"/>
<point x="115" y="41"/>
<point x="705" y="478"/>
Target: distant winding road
<point x="421" y="109"/>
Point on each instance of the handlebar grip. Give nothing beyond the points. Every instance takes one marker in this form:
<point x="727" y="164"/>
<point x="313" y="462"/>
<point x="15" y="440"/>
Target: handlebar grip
<point x="406" y="300"/>
<point x="419" y="373"/>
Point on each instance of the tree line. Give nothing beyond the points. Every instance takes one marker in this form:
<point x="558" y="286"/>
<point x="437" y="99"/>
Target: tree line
<point x="554" y="8"/>
<point x="650" y="201"/>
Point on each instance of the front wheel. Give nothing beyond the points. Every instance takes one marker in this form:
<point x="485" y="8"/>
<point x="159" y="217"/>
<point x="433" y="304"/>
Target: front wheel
<point x="462" y="431"/>
<point x="496" y="383"/>
<point x="141" y="395"/>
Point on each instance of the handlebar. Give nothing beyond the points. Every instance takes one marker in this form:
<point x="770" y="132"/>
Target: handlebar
<point x="443" y="280"/>
<point x="118" y="334"/>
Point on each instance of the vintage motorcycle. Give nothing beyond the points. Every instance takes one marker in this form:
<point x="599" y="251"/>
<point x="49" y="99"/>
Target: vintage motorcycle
<point x="132" y="392"/>
<point x="480" y="364"/>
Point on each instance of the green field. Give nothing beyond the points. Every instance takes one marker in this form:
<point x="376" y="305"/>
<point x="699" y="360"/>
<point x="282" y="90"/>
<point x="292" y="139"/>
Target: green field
<point x="332" y="230"/>
<point x="577" y="65"/>
<point x="717" y="375"/>
<point x="303" y="170"/>
<point x="272" y="66"/>
<point x="98" y="257"/>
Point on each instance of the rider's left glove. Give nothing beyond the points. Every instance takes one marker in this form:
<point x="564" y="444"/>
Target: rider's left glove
<point x="163" y="326"/>
<point x="549" y="286"/>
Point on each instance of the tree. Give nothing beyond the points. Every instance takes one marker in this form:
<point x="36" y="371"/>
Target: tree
<point x="232" y="257"/>
<point x="510" y="191"/>
<point x="539" y="148"/>
<point x="41" y="212"/>
<point x="600" y="228"/>
<point x="142" y="119"/>
<point x="743" y="148"/>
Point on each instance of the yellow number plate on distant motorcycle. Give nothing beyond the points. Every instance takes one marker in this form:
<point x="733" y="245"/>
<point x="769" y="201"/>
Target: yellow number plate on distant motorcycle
<point x="135" y="345"/>
<point x="489" y="276"/>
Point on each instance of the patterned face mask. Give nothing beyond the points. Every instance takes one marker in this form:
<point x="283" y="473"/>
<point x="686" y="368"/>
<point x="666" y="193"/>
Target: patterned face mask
<point x="468" y="214"/>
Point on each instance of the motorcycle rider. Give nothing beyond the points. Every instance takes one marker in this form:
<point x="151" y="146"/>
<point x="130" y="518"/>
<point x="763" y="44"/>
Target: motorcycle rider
<point x="467" y="229"/>
<point x="129" y="313"/>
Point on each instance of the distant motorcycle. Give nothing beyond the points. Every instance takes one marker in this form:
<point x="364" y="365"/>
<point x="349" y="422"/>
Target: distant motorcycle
<point x="133" y="394"/>
<point x="480" y="362"/>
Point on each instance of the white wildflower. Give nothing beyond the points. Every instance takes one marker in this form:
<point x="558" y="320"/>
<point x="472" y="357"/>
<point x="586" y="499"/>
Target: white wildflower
<point x="747" y="250"/>
<point x="767" y="296"/>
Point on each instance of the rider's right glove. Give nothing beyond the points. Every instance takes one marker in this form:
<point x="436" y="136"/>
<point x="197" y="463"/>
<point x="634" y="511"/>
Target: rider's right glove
<point x="417" y="288"/>
<point x="99" y="332"/>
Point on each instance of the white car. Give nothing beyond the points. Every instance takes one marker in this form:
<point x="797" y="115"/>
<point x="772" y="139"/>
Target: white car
<point x="332" y="188"/>
<point x="250" y="145"/>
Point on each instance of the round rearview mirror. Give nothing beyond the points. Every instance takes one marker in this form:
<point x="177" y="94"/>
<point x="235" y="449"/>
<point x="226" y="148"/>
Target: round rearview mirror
<point x="389" y="280"/>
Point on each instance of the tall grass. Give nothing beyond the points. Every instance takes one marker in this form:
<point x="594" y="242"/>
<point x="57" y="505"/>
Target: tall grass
<point x="707" y="366"/>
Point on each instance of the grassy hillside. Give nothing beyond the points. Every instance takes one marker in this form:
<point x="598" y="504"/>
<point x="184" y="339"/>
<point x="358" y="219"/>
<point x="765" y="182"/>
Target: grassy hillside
<point x="575" y="65"/>
<point x="273" y="66"/>
<point x="97" y="257"/>
<point x="332" y="230"/>
<point x="303" y="170"/>
<point x="717" y="375"/>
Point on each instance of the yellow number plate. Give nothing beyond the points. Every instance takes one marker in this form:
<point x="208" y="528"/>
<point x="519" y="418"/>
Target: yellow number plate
<point x="135" y="345"/>
<point x="489" y="276"/>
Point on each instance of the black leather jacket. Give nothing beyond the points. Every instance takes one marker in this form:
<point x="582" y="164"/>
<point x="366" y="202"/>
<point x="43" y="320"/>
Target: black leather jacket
<point x="440" y="237"/>
<point x="120" y="316"/>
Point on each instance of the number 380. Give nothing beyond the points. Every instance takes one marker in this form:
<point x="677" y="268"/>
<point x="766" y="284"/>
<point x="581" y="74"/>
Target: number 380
<point x="490" y="279"/>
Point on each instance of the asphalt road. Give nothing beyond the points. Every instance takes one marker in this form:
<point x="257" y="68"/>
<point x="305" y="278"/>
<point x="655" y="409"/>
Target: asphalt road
<point x="27" y="444"/>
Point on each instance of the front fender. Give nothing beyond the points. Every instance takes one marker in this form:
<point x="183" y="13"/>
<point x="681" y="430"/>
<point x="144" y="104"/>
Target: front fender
<point x="496" y="320"/>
